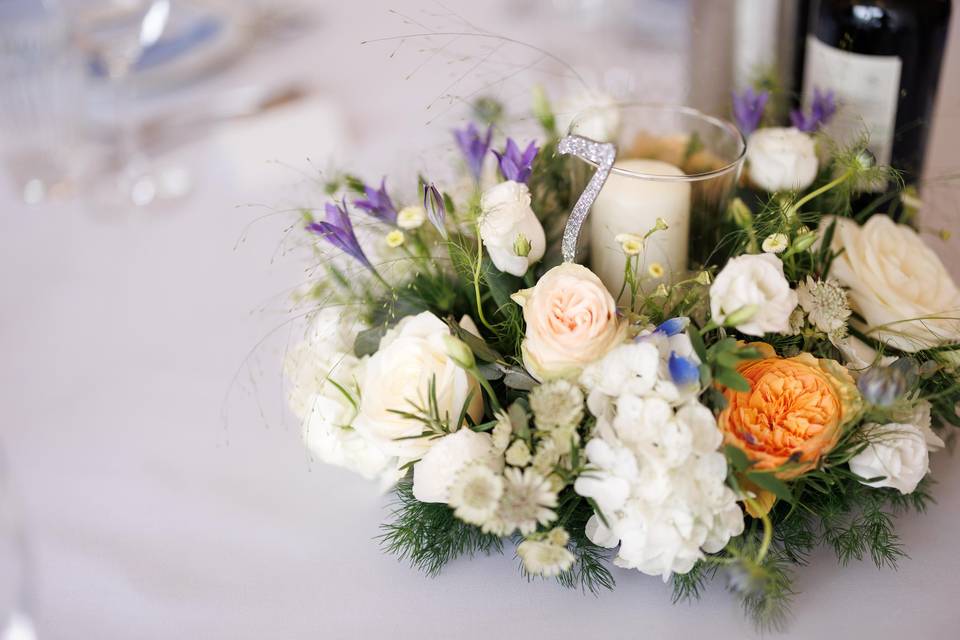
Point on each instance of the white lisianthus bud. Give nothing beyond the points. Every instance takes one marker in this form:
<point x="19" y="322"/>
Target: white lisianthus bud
<point x="755" y="281"/>
<point x="661" y="225"/>
<point x="395" y="238"/>
<point x="411" y="217"/>
<point x="506" y="215"/>
<point x="781" y="159"/>
<point x="459" y="352"/>
<point x="661" y="291"/>
<point x="776" y="243"/>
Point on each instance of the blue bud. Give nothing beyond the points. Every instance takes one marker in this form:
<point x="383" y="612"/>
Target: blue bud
<point x="673" y="326"/>
<point x="684" y="371"/>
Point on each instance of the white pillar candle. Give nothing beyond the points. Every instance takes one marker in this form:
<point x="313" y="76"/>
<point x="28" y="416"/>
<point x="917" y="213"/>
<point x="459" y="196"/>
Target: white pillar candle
<point x="632" y="205"/>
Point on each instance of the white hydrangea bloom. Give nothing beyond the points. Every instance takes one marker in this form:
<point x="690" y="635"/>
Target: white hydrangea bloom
<point x="658" y="478"/>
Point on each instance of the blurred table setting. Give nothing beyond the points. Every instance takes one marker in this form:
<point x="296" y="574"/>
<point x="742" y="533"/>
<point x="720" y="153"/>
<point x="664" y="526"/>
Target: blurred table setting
<point x="153" y="156"/>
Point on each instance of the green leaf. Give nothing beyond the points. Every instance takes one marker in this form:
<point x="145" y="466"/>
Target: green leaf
<point x="732" y="380"/>
<point x="480" y="348"/>
<point x="736" y="457"/>
<point x="368" y="341"/>
<point x="771" y="483"/>
<point x="697" y="341"/>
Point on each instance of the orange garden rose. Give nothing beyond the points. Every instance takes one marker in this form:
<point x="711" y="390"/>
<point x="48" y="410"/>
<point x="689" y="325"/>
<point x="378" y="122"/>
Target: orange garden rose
<point x="792" y="415"/>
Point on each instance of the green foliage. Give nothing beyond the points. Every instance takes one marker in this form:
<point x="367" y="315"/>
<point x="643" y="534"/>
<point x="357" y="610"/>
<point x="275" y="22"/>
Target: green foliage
<point x="690" y="586"/>
<point x="428" y="535"/>
<point x="590" y="571"/>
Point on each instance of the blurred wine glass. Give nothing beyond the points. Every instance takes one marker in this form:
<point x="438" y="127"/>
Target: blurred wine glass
<point x="114" y="34"/>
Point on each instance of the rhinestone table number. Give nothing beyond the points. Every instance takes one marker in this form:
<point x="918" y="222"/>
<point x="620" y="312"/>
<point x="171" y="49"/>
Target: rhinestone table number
<point x="601" y="154"/>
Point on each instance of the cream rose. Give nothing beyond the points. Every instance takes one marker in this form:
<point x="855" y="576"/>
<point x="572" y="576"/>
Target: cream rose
<point x="754" y="281"/>
<point x="898" y="452"/>
<point x="436" y="471"/>
<point x="398" y="375"/>
<point x="781" y="159"/>
<point x="571" y="321"/>
<point x="506" y="222"/>
<point x="896" y="283"/>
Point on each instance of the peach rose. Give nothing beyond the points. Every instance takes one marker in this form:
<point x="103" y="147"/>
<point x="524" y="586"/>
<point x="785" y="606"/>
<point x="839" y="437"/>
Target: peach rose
<point x="571" y="321"/>
<point x="794" y="412"/>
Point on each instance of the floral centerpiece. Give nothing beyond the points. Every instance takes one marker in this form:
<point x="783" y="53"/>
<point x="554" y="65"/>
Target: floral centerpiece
<point x="726" y="421"/>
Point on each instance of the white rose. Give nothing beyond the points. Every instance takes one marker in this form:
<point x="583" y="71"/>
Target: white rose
<point x="781" y="159"/>
<point x="506" y="215"/>
<point x="436" y="471"/>
<point x="754" y="281"/>
<point x="897" y="452"/>
<point x="919" y="414"/>
<point x="591" y="114"/>
<point x="896" y="283"/>
<point x="321" y="375"/>
<point x="411" y="355"/>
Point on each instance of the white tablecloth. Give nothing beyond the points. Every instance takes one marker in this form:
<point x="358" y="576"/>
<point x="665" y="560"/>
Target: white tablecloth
<point x="161" y="500"/>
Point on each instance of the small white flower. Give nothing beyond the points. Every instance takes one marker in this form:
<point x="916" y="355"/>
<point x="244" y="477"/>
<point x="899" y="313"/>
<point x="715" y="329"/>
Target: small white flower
<point x="917" y="413"/>
<point x="544" y="558"/>
<point x="656" y="270"/>
<point x="475" y="494"/>
<point x="776" y="243"/>
<point x="556" y="404"/>
<point x="754" y="281"/>
<point x="781" y="159"/>
<point x="395" y="238"/>
<point x="518" y="455"/>
<point x="411" y="217"/>
<point x="631" y="243"/>
<point x="528" y="500"/>
<point x="897" y="452"/>
<point x="825" y="302"/>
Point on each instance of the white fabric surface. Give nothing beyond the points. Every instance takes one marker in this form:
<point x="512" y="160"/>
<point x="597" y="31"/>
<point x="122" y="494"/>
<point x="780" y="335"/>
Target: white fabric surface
<point x="163" y="502"/>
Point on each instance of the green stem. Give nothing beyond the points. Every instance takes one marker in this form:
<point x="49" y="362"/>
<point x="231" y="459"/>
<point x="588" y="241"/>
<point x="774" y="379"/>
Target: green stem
<point x="476" y="281"/>
<point x="475" y="372"/>
<point x="795" y="207"/>
<point x="767" y="531"/>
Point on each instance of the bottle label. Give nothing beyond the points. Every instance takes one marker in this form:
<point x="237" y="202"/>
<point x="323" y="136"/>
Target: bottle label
<point x="866" y="88"/>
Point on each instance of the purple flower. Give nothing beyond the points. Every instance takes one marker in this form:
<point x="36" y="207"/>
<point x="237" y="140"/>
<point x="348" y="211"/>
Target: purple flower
<point x="436" y="211"/>
<point x="473" y="146"/>
<point x="378" y="204"/>
<point x="822" y="108"/>
<point x="748" y="109"/>
<point x="514" y="164"/>
<point x="337" y="229"/>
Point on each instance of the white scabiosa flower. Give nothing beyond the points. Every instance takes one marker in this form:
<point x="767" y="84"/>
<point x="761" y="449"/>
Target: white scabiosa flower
<point x="436" y="471"/>
<point x="753" y="282"/>
<point x="475" y="494"/>
<point x="896" y="454"/>
<point x="544" y="558"/>
<point x="528" y="500"/>
<point x="825" y="303"/>
<point x="556" y="404"/>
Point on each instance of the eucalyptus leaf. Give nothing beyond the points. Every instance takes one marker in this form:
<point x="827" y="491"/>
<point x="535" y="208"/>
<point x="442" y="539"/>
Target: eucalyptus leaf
<point x="771" y="483"/>
<point x="368" y="341"/>
<point x="731" y="379"/>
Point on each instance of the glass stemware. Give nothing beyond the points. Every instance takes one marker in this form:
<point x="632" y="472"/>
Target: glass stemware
<point x="115" y="33"/>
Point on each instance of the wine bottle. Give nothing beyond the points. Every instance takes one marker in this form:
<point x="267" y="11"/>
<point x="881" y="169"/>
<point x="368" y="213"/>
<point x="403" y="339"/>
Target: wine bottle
<point x="882" y="59"/>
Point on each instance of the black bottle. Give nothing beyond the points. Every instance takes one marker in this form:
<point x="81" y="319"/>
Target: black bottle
<point x="882" y="59"/>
